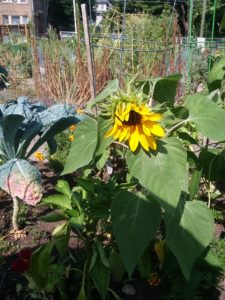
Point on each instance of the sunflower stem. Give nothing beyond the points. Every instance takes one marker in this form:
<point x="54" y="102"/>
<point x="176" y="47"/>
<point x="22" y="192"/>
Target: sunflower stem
<point x="15" y="213"/>
<point x="176" y="126"/>
<point x="121" y="144"/>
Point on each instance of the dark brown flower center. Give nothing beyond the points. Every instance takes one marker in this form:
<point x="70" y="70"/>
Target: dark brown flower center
<point x="134" y="118"/>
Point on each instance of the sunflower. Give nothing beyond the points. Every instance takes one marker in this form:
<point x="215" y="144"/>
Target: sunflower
<point x="136" y="124"/>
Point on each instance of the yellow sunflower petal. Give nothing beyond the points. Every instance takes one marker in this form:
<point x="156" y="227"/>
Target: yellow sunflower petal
<point x="151" y="142"/>
<point x="118" y="122"/>
<point x="123" y="111"/>
<point x="134" y="139"/>
<point x="146" y="129"/>
<point x="123" y="134"/>
<point x="128" y="134"/>
<point x="142" y="110"/>
<point x="117" y="133"/>
<point x="157" y="130"/>
<point x="154" y="117"/>
<point x="111" y="131"/>
<point x="143" y="141"/>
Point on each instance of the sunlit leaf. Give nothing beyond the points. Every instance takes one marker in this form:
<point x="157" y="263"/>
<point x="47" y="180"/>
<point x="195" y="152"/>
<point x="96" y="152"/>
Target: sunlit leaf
<point x="59" y="200"/>
<point x="216" y="75"/>
<point x="207" y="116"/>
<point x="163" y="173"/>
<point x="189" y="233"/>
<point x="165" y="88"/>
<point x="83" y="146"/>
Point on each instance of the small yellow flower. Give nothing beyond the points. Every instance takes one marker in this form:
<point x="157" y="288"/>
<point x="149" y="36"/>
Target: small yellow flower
<point x="108" y="236"/>
<point x="72" y="128"/>
<point x="71" y="137"/>
<point x="39" y="156"/>
<point x="136" y="124"/>
<point x="80" y="111"/>
<point x="154" y="280"/>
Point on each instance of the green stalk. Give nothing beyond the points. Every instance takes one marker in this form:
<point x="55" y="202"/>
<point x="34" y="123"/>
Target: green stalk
<point x="190" y="43"/>
<point x="213" y="30"/>
<point x="15" y="213"/>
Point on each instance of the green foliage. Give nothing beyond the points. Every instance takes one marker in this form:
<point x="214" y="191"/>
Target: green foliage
<point x="20" y="123"/>
<point x="126" y="205"/>
<point x="193" y="222"/>
<point x="218" y="248"/>
<point x="165" y="89"/>
<point x="163" y="173"/>
<point x="207" y="116"/>
<point x="135" y="220"/>
<point x="81" y="151"/>
<point x="21" y="66"/>
<point x="216" y="75"/>
<point x="213" y="163"/>
<point x="40" y="262"/>
<point x="58" y="159"/>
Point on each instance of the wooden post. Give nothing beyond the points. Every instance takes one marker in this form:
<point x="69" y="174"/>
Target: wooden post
<point x="88" y="51"/>
<point x="75" y="17"/>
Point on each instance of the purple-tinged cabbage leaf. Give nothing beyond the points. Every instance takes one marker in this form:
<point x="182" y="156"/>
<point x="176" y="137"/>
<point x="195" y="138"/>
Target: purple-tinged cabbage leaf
<point x="22" y="180"/>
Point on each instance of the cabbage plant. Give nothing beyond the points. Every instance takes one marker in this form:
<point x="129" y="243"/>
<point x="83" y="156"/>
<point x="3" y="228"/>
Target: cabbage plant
<point x="24" y="127"/>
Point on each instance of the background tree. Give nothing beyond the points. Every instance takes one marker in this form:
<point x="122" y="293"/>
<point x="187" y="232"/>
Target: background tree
<point x="61" y="15"/>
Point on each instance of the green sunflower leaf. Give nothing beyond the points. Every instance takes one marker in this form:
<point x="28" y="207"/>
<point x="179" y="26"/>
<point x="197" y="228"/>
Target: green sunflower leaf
<point x="190" y="231"/>
<point x="135" y="221"/>
<point x="165" y="89"/>
<point x="213" y="163"/>
<point x="103" y="127"/>
<point x="162" y="172"/>
<point x="216" y="75"/>
<point x="83" y="146"/>
<point x="207" y="116"/>
<point x="111" y="87"/>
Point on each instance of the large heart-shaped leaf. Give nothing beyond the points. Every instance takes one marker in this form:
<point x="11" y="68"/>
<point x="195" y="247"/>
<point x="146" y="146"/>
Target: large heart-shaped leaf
<point x="189" y="233"/>
<point x="165" y="89"/>
<point x="207" y="116"/>
<point x="83" y="146"/>
<point x="135" y="220"/>
<point x="163" y="172"/>
<point x="216" y="75"/>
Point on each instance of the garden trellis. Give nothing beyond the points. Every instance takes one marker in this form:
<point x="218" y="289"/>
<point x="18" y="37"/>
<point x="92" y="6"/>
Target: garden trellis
<point x="164" y="56"/>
